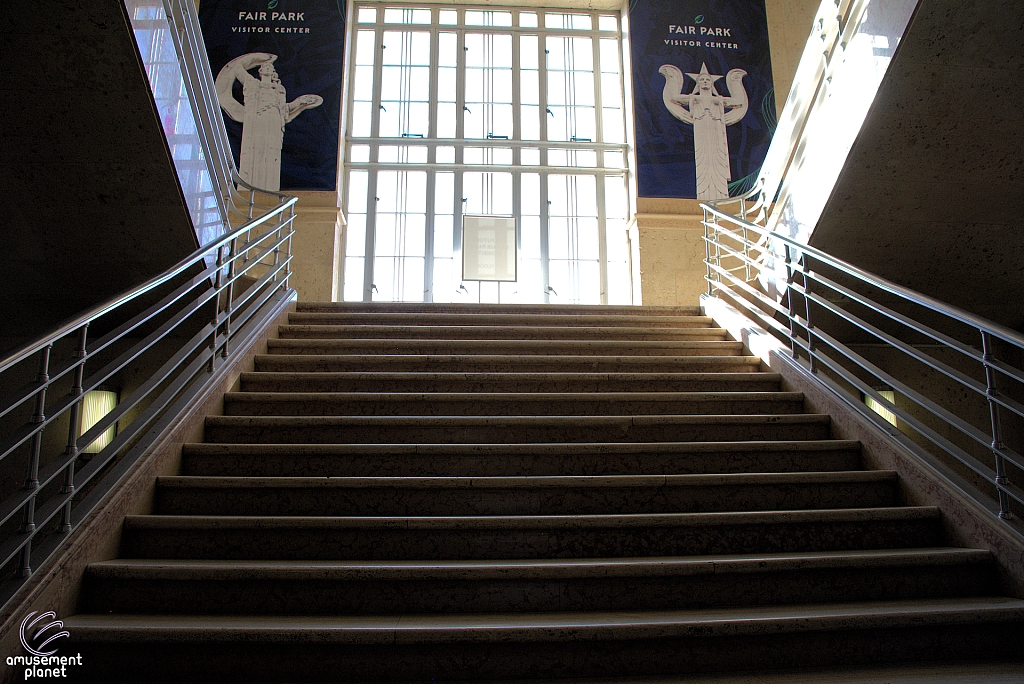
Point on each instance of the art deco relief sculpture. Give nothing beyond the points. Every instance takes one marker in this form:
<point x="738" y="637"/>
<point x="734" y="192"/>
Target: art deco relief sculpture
<point x="263" y="115"/>
<point x="709" y="113"/>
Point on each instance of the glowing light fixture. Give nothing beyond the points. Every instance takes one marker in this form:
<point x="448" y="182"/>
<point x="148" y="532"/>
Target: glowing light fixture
<point x="95" y="405"/>
<point x="878" y="408"/>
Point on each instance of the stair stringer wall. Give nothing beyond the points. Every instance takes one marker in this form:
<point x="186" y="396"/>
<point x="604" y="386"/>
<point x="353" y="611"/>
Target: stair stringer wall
<point x="56" y="583"/>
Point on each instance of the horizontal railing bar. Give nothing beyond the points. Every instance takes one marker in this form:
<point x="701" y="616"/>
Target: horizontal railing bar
<point x="156" y="281"/>
<point x="764" y="318"/>
<point x="933" y="363"/>
<point x="898" y="317"/>
<point x="923" y="300"/>
<point x="21" y="435"/>
<point x="946" y="416"/>
<point x="1007" y="403"/>
<point x="956" y="452"/>
<point x="761" y="297"/>
<point x="20" y="396"/>
<point x="1006" y="370"/>
<point x="735" y="254"/>
<point x="13" y="546"/>
<point x="188" y="374"/>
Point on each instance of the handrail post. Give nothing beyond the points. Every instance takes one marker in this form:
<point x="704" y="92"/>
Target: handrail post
<point x="997" y="431"/>
<point x="790" y="305"/>
<point x="228" y="299"/>
<point x="707" y="248"/>
<point x="75" y="416"/>
<point x="218" y="283"/>
<point x="807" y="312"/>
<point x="32" y="480"/>
<point x="288" y="247"/>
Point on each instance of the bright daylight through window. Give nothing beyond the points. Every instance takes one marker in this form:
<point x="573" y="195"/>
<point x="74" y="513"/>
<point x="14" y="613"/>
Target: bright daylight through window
<point x="495" y="112"/>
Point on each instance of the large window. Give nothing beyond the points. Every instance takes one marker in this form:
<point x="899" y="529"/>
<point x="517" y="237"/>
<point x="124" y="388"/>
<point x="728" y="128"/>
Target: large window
<point x="486" y="111"/>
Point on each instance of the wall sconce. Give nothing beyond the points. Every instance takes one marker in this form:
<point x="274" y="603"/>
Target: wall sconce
<point x="887" y="394"/>
<point x="95" y="405"/>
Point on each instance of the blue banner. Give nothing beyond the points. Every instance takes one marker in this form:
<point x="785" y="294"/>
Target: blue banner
<point x="278" y="66"/>
<point x="703" y="96"/>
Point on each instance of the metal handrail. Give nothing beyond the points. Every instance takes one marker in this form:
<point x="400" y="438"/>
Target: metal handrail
<point x="211" y="304"/>
<point x="823" y="298"/>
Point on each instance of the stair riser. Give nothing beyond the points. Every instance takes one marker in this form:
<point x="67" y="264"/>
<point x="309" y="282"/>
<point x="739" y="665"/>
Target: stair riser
<point x="467" y="660"/>
<point x="501" y="382"/>
<point x="384" y="501"/>
<point x="299" y="347"/>
<point x="518" y="320"/>
<point x="439" y="433"/>
<point x="256" y="596"/>
<point x="409" y="465"/>
<point x="640" y="312"/>
<point x="313" y="332"/>
<point x="364" y="543"/>
<point x="496" y="364"/>
<point x="516" y="405"/>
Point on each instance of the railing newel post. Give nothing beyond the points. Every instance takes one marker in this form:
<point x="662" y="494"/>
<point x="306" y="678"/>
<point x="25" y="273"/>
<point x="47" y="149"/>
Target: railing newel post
<point x="75" y="420"/>
<point x="707" y="249"/>
<point x="229" y="297"/>
<point x="988" y="358"/>
<point x="790" y="305"/>
<point x="807" y="312"/>
<point x="32" y="480"/>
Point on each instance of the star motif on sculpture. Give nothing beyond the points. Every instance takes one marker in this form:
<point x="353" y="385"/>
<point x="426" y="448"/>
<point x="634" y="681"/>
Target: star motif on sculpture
<point x="704" y="72"/>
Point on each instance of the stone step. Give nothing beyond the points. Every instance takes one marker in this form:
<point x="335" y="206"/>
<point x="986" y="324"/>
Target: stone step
<point x="557" y="495"/>
<point x="482" y="460"/>
<point x="509" y="403"/>
<point x="551" y="309"/>
<point x="499" y="348"/>
<point x="667" y="583"/>
<point x="511" y="429"/>
<point x="496" y="332"/>
<point x="507" y="537"/>
<point x="548" y="320"/>
<point x="500" y="646"/>
<point x="464" y="363"/>
<point x="510" y="382"/>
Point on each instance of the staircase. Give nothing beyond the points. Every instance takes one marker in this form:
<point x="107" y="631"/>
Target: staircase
<point x="419" y="492"/>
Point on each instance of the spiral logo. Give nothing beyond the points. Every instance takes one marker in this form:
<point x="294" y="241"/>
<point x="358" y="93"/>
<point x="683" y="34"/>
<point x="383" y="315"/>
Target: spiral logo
<point x="32" y="642"/>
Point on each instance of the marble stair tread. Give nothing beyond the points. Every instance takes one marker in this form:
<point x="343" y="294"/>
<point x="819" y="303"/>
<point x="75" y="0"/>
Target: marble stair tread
<point x="564" y="309"/>
<point x="382" y="381"/>
<point x="498" y="319"/>
<point x="171" y="569"/>
<point x="522" y="522"/>
<point x="510" y="403"/>
<point x="556" y="481"/>
<point x="499" y="332"/>
<point x="504" y="363"/>
<point x="604" y="428"/>
<point x="532" y="627"/>
<point x="570" y="347"/>
<point x="621" y="458"/>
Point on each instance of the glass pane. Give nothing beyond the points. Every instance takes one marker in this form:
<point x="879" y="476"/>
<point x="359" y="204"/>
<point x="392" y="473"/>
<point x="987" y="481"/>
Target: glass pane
<point x="446" y="120"/>
<point x="528" y="52"/>
<point x="607" y="22"/>
<point x="393" y="15"/>
<point x="359" y="153"/>
<point x="529" y="122"/>
<point x="443" y="235"/>
<point x="580" y="22"/>
<point x="487" y="193"/>
<point x="531" y="237"/>
<point x="473" y="155"/>
<point x="367" y="15"/>
<point x="365" y="42"/>
<point x="530" y="184"/>
<point x="362" y="89"/>
<point x="488" y="18"/>
<point x="445" y="155"/>
<point x="357" y="191"/>
<point x="528" y="19"/>
<point x="611" y="119"/>
<point x="444" y="193"/>
<point x="355" y="235"/>
<point x="530" y="156"/>
<point x="529" y="88"/>
<point x="609" y="55"/>
<point x="361" y="119"/>
<point x="447" y="90"/>
<point x="447" y="49"/>
<point x="353" y="279"/>
<point x="448" y="17"/>
<point x="444" y="288"/>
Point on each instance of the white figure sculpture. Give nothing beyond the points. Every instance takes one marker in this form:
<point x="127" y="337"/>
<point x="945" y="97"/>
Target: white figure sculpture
<point x="709" y="113"/>
<point x="263" y="115"/>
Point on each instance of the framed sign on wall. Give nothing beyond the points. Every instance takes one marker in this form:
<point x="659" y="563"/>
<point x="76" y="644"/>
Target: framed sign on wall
<point x="489" y="248"/>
